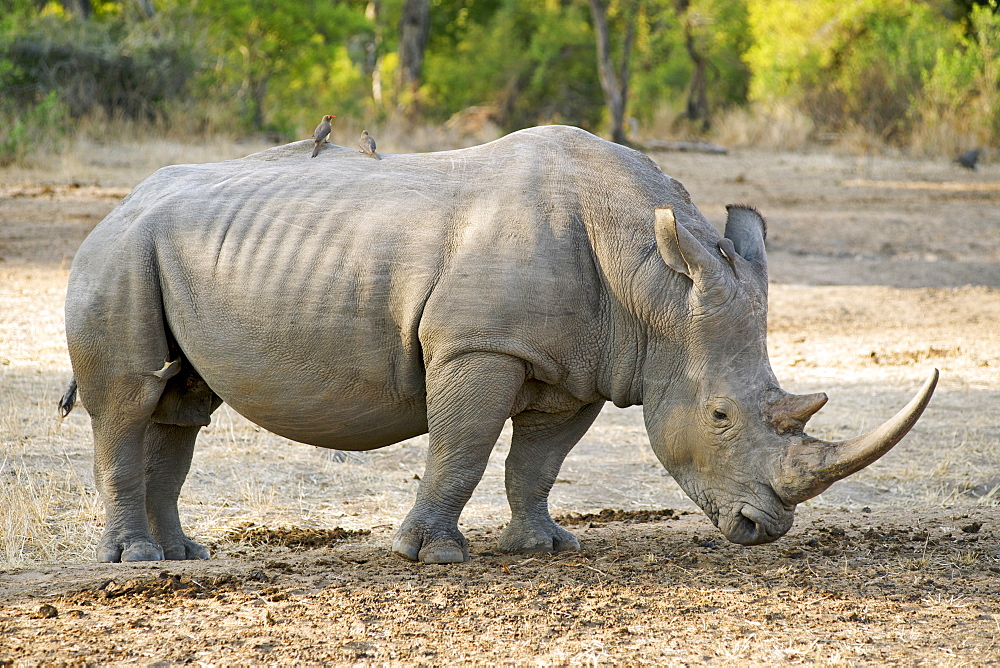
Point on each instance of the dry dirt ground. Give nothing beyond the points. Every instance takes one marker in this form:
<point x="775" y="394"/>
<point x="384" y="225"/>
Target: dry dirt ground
<point x="882" y="268"/>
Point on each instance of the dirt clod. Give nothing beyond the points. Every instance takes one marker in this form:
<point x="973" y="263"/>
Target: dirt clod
<point x="611" y="515"/>
<point x="46" y="611"/>
<point x="293" y="537"/>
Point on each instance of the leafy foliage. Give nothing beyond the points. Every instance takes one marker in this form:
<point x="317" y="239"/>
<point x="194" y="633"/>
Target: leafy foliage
<point x="892" y="68"/>
<point x="534" y="62"/>
<point x="280" y="65"/>
<point x="41" y="127"/>
<point x="858" y="62"/>
<point x="962" y="89"/>
<point x="108" y="65"/>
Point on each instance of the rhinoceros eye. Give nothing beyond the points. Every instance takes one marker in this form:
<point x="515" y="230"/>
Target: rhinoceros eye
<point x="721" y="412"/>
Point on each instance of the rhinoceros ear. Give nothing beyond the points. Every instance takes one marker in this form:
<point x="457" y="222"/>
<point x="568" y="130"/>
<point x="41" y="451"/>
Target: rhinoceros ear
<point x="747" y="229"/>
<point x="680" y="250"/>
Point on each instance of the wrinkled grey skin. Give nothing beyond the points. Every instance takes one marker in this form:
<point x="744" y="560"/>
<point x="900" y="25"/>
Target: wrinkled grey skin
<point x="531" y="278"/>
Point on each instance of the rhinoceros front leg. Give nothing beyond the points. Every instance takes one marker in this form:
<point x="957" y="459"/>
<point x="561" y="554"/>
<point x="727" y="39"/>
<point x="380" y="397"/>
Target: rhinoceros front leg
<point x="168" y="452"/>
<point x="468" y="400"/>
<point x="538" y="447"/>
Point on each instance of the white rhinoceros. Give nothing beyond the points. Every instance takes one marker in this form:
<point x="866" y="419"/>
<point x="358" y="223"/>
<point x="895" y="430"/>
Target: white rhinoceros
<point x="351" y="303"/>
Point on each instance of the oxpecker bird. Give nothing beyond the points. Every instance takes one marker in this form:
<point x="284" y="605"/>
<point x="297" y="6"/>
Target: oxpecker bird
<point x="367" y="144"/>
<point x="321" y="132"/>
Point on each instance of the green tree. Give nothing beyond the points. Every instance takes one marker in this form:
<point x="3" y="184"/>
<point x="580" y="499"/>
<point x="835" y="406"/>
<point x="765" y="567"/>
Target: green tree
<point x="856" y="63"/>
<point x="614" y="76"/>
<point x="960" y="99"/>
<point x="689" y="56"/>
<point x="288" y="64"/>
<point x="534" y="62"/>
<point x="414" y="28"/>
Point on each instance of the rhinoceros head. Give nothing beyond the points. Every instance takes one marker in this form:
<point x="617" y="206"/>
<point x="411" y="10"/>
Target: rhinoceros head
<point x="716" y="417"/>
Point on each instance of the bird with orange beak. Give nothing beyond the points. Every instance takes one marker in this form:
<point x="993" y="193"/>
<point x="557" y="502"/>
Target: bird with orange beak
<point x="321" y="132"/>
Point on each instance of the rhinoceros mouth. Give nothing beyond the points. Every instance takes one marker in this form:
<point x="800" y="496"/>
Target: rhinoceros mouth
<point x="752" y="526"/>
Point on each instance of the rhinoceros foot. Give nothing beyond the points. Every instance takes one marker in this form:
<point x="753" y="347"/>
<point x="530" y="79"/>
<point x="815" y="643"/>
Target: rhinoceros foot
<point x="184" y="548"/>
<point x="431" y="545"/>
<point x="550" y="537"/>
<point x="114" y="549"/>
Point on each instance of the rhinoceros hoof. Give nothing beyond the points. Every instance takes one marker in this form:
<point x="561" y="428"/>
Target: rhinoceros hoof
<point x="431" y="546"/>
<point x="129" y="550"/>
<point x="520" y="538"/>
<point x="184" y="549"/>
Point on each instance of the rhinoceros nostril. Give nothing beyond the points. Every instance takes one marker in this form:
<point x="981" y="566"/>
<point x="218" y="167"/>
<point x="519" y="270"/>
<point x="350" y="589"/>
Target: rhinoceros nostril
<point x="743" y="529"/>
<point x="755" y="534"/>
<point x="768" y="527"/>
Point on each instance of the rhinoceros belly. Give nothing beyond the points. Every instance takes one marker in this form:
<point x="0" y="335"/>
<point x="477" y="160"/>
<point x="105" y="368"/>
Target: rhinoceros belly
<point x="312" y="336"/>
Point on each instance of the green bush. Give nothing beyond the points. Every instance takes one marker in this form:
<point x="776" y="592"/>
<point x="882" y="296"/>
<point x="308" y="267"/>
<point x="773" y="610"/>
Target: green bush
<point x="535" y="62"/>
<point x="662" y="66"/>
<point x="282" y="68"/>
<point x="38" y="128"/>
<point x="961" y="92"/>
<point x="859" y="63"/>
<point x="93" y="65"/>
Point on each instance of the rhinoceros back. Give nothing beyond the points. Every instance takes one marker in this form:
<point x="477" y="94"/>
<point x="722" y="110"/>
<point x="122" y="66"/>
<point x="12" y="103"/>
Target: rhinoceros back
<point x="309" y="294"/>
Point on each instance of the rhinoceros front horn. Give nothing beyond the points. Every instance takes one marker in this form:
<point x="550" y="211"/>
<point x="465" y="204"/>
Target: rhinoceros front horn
<point x="812" y="465"/>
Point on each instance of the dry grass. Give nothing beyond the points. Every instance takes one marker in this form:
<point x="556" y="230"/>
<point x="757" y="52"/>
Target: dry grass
<point x="784" y="128"/>
<point x="49" y="509"/>
<point x="122" y="163"/>
<point x="778" y="128"/>
<point x="120" y="154"/>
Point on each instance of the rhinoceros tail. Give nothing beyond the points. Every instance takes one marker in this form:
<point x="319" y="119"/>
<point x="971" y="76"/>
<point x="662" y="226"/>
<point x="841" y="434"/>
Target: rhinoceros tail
<point x="68" y="400"/>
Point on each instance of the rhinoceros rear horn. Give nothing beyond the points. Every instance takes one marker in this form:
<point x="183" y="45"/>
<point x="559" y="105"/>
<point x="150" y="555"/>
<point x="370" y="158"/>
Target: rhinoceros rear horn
<point x="812" y="465"/>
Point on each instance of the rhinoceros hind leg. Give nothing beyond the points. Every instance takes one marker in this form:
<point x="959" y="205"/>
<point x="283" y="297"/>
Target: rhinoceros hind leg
<point x="539" y="445"/>
<point x="112" y="549"/>
<point x="168" y="450"/>
<point x="118" y="473"/>
<point x="468" y="400"/>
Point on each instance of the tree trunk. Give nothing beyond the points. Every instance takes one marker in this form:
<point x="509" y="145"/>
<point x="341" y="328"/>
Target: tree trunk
<point x="414" y="28"/>
<point x="81" y="8"/>
<point x="614" y="85"/>
<point x="373" y="49"/>
<point x="697" y="101"/>
<point x="147" y="8"/>
<point x="696" y="109"/>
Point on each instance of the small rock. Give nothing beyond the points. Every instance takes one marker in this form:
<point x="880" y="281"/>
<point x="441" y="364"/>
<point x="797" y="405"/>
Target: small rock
<point x="972" y="528"/>
<point x="46" y="611"/>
